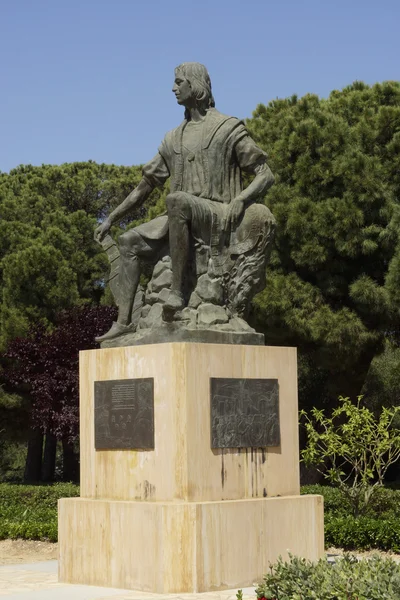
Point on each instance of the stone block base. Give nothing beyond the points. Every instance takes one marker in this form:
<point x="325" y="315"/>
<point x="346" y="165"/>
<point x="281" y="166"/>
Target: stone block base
<point x="183" y="466"/>
<point x="184" y="547"/>
<point x="181" y="332"/>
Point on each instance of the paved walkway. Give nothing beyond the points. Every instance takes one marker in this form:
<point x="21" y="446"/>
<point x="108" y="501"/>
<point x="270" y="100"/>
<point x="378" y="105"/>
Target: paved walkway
<point x="38" y="581"/>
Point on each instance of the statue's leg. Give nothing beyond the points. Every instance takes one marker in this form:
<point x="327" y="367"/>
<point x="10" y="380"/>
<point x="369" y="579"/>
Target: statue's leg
<point x="132" y="247"/>
<point x="188" y="216"/>
<point x="129" y="274"/>
<point x="179" y="217"/>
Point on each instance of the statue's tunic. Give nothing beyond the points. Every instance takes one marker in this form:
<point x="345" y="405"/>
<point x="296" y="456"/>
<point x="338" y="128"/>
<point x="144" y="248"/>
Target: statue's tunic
<point x="209" y="171"/>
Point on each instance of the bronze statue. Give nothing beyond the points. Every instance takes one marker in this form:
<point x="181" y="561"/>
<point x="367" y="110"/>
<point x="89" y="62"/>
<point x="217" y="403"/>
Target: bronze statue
<point x="213" y="242"/>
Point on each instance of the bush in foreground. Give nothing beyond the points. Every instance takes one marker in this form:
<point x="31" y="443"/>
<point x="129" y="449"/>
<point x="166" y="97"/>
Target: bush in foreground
<point x="348" y="579"/>
<point x="30" y="512"/>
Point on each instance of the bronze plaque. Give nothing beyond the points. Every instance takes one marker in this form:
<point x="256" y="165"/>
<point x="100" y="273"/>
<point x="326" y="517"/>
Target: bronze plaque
<point x="124" y="414"/>
<point x="244" y="413"/>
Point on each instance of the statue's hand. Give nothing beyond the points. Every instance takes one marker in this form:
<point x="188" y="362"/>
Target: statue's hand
<point x="101" y="231"/>
<point x="234" y="213"/>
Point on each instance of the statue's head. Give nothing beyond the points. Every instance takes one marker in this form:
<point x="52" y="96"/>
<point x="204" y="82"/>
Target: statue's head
<point x="193" y="85"/>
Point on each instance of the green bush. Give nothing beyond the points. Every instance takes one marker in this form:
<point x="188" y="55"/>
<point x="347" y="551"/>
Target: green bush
<point x="30" y="512"/>
<point x="384" y="504"/>
<point x="378" y="529"/>
<point x="333" y="500"/>
<point x="348" y="579"/>
<point x="353" y="449"/>
<point x="364" y="533"/>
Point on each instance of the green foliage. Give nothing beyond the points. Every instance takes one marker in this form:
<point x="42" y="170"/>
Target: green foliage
<point x="12" y="459"/>
<point x="333" y="282"/>
<point x="384" y="504"/>
<point x="13" y="431"/>
<point x="382" y="385"/>
<point x="48" y="259"/>
<point x="379" y="528"/>
<point x="363" y="533"/>
<point x="352" y="449"/>
<point x="30" y="512"/>
<point x="348" y="579"/>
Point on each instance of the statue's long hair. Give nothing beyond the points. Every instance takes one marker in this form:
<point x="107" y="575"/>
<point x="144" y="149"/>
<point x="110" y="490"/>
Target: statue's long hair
<point x="200" y="82"/>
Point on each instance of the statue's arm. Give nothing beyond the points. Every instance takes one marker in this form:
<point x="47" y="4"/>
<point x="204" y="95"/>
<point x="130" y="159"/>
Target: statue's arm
<point x="155" y="173"/>
<point x="258" y="187"/>
<point x="254" y="160"/>
<point x="135" y="198"/>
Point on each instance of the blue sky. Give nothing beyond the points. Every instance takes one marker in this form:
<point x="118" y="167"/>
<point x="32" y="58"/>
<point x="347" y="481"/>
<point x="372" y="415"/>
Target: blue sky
<point x="92" y="79"/>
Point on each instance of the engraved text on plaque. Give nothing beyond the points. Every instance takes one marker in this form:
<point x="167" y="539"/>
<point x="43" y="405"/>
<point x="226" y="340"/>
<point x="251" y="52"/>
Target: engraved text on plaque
<point x="124" y="414"/>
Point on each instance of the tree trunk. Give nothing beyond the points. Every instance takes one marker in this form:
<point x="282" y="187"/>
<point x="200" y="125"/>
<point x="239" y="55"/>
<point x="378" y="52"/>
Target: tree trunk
<point x="33" y="463"/>
<point x="49" y="458"/>
<point x="70" y="462"/>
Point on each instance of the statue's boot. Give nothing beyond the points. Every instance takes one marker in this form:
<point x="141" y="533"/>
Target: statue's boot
<point x="115" y="331"/>
<point x="172" y="305"/>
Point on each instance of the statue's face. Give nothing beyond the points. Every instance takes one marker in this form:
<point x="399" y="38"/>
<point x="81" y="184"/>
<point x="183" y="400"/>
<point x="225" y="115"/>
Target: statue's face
<point x="182" y="90"/>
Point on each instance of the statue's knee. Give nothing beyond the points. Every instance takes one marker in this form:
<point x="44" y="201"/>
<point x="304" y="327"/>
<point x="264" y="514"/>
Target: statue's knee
<point x="177" y="201"/>
<point x="128" y="243"/>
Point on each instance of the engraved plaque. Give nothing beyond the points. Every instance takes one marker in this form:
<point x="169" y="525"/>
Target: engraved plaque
<point x="124" y="414"/>
<point x="244" y="413"/>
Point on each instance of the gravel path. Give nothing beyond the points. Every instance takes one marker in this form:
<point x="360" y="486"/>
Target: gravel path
<point x="14" y="552"/>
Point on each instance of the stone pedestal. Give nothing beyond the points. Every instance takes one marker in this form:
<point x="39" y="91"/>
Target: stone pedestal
<point x="184" y="517"/>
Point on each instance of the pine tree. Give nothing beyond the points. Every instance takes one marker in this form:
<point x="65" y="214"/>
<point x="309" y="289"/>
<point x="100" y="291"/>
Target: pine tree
<point x="333" y="283"/>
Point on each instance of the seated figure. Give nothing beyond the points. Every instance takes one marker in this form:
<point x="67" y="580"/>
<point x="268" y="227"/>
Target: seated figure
<point x="213" y="229"/>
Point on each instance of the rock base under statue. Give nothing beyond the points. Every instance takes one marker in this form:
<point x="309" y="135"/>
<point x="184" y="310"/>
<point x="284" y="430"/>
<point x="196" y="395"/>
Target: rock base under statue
<point x="205" y="319"/>
<point x="180" y="332"/>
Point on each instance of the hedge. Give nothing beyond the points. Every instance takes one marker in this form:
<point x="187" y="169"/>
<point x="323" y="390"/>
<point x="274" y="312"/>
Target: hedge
<point x="30" y="512"/>
<point x="378" y="529"/>
<point x="385" y="502"/>
<point x="364" y="533"/>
